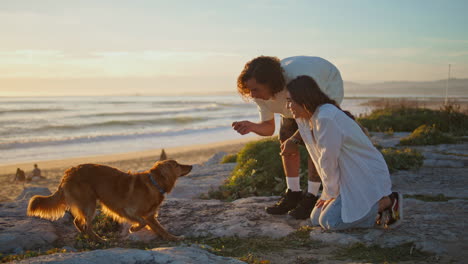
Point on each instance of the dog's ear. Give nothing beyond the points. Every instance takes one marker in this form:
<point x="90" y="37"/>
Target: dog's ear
<point x="163" y="155"/>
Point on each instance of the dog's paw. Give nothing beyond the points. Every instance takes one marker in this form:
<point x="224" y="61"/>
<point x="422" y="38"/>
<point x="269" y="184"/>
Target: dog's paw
<point x="135" y="228"/>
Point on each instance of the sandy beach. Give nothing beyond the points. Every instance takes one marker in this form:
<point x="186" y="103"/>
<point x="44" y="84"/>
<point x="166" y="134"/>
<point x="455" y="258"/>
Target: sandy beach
<point x="132" y="161"/>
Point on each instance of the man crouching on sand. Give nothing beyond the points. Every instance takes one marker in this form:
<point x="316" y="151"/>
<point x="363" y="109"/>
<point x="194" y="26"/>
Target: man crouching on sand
<point x="264" y="80"/>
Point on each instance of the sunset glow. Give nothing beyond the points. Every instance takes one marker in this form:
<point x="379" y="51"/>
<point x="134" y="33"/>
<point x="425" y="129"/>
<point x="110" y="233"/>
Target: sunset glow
<point x="52" y="47"/>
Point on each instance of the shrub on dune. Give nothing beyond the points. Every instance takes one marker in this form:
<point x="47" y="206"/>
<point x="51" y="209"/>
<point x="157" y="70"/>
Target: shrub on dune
<point x="449" y="119"/>
<point x="259" y="170"/>
<point x="402" y="159"/>
<point x="427" y="135"/>
<point x="232" y="158"/>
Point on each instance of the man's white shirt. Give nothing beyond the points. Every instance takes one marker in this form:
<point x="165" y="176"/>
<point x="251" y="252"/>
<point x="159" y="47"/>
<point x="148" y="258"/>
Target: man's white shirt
<point x="325" y="74"/>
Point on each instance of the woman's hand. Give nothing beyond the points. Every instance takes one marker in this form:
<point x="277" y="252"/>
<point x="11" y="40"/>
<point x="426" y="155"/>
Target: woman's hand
<point x="319" y="203"/>
<point x="327" y="202"/>
<point x="323" y="203"/>
<point x="288" y="148"/>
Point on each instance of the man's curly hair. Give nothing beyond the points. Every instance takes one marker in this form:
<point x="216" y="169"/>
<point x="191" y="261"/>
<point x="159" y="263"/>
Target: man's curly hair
<point x="265" y="70"/>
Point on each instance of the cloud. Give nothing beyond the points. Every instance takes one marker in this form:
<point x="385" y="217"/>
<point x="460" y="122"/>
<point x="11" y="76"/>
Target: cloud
<point x="393" y="52"/>
<point x="456" y="53"/>
<point x="400" y="71"/>
<point x="446" y="41"/>
<point x="146" y="63"/>
<point x="25" y="56"/>
<point x="160" y="54"/>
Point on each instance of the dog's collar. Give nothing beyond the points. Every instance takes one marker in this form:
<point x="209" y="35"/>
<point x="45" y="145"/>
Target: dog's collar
<point x="155" y="183"/>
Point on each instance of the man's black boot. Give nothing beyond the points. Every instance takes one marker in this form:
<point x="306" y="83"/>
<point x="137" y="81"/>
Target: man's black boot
<point x="288" y="201"/>
<point x="305" y="206"/>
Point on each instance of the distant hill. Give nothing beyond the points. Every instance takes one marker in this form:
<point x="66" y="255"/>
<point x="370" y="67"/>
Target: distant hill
<point x="457" y="88"/>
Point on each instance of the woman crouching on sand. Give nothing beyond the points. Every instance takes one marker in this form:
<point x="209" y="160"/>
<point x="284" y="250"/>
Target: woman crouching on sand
<point x="356" y="182"/>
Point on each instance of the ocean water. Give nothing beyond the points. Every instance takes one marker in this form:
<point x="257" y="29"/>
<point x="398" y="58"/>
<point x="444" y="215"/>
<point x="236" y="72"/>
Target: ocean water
<point x="34" y="129"/>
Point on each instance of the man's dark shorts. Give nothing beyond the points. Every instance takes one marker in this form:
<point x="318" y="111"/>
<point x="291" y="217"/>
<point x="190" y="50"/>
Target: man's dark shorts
<point x="287" y="128"/>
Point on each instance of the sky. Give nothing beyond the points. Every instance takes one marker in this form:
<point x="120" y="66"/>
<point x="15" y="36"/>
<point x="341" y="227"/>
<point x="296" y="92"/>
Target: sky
<point x="56" y="47"/>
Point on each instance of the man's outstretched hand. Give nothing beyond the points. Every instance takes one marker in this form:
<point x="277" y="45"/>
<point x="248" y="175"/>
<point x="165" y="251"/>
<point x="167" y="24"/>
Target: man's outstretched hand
<point x="265" y="128"/>
<point x="243" y="127"/>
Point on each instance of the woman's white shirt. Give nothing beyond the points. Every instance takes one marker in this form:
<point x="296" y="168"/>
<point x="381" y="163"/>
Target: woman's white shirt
<point x="347" y="162"/>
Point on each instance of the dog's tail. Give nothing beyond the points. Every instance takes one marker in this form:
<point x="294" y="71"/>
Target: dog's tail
<point x="50" y="207"/>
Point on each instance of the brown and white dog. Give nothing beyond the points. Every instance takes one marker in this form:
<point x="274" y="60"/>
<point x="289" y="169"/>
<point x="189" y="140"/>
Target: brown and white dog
<point x="133" y="197"/>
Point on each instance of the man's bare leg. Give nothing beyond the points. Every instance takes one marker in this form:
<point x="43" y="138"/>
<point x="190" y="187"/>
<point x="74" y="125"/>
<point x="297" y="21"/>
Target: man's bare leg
<point x="291" y="165"/>
<point x="293" y="195"/>
<point x="305" y="207"/>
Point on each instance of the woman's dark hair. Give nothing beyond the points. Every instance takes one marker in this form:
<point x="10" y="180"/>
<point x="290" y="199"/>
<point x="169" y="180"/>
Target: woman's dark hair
<point x="265" y="70"/>
<point x="306" y="92"/>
